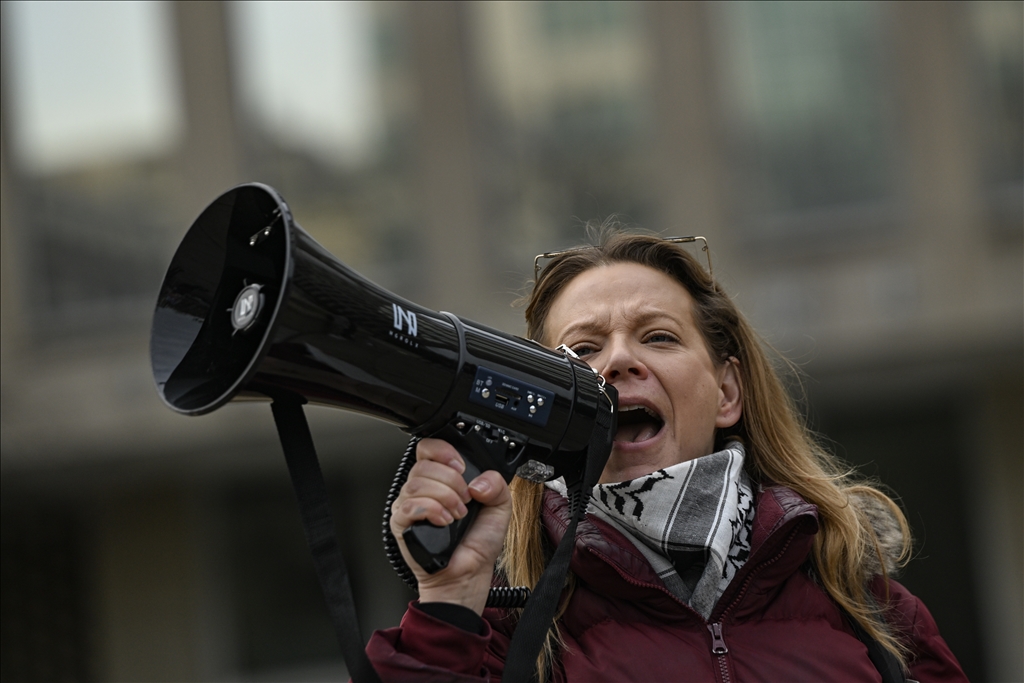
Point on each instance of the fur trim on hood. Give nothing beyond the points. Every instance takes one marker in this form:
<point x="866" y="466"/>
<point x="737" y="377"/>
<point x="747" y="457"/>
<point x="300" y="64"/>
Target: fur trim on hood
<point x="878" y="511"/>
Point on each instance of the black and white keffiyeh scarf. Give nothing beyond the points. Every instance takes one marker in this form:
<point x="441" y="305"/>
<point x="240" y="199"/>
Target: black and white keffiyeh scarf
<point x="692" y="521"/>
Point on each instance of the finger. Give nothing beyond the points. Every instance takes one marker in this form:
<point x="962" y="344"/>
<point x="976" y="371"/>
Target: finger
<point x="441" y="492"/>
<point x="490" y="489"/>
<point x="439" y="450"/>
<point x="406" y="512"/>
<point x="430" y="471"/>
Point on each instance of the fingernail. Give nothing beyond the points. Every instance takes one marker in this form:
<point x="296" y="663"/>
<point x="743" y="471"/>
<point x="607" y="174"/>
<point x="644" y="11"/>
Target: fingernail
<point x="448" y="519"/>
<point x="462" y="510"/>
<point x="480" y="486"/>
<point x="458" y="465"/>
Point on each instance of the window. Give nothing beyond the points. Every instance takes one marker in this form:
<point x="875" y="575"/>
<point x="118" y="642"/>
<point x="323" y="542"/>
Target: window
<point x="805" y="104"/>
<point x="93" y="119"/>
<point x="324" y="96"/>
<point x="566" y="91"/>
<point x="998" y="41"/>
<point x="562" y="19"/>
<point x="92" y="83"/>
<point x="307" y="76"/>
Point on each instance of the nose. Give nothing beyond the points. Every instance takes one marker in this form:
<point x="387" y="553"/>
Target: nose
<point x="621" y="361"/>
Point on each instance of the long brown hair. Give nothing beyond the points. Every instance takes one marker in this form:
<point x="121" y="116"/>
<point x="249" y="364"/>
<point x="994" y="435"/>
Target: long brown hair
<point x="780" y="449"/>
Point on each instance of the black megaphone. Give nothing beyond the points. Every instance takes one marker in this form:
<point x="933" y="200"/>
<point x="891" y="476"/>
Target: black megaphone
<point x="252" y="306"/>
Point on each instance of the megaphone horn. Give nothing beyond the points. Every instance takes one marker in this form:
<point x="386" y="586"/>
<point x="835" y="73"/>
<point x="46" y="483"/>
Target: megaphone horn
<point x="252" y="306"/>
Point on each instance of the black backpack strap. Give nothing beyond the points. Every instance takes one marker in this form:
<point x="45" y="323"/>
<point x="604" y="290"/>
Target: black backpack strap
<point x="321" y="534"/>
<point x="884" y="660"/>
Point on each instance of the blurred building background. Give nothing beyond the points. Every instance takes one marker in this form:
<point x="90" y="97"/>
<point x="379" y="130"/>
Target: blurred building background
<point x="856" y="167"/>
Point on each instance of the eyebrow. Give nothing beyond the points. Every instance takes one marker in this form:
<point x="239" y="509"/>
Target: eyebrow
<point x="638" y="317"/>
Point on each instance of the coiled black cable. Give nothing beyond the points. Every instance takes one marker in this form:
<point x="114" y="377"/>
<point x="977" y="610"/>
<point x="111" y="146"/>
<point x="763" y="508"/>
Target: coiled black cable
<point x="502" y="597"/>
<point x="394" y="555"/>
<point x="508" y="597"/>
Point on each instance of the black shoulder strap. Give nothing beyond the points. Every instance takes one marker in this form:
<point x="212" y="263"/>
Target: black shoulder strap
<point x="321" y="534"/>
<point x="521" y="660"/>
<point x="884" y="661"/>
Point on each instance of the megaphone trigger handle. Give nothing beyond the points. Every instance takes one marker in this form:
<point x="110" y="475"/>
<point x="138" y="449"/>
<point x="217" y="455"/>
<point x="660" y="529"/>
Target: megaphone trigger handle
<point x="432" y="546"/>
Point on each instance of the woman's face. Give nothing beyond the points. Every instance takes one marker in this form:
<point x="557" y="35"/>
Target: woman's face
<point x="635" y="326"/>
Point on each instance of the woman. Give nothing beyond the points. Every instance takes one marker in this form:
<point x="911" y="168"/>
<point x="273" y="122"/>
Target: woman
<point x="721" y="543"/>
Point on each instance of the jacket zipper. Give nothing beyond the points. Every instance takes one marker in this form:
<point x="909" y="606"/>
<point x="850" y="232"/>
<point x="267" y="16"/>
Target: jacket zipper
<point x="719" y="649"/>
<point x="746" y="581"/>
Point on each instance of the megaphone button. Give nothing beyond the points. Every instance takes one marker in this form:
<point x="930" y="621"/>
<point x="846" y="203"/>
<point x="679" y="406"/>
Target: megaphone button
<point x="247" y="307"/>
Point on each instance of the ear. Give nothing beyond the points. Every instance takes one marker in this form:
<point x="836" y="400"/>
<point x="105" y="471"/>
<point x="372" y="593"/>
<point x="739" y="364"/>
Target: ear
<point x="730" y="387"/>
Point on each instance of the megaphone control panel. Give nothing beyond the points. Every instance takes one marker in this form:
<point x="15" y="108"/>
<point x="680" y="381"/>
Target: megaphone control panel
<point x="511" y="396"/>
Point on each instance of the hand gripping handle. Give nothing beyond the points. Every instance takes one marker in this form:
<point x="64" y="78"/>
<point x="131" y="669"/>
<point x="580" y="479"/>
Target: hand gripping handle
<point x="432" y="546"/>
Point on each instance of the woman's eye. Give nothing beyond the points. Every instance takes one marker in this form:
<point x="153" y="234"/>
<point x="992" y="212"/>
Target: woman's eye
<point x="659" y="337"/>
<point x="583" y="350"/>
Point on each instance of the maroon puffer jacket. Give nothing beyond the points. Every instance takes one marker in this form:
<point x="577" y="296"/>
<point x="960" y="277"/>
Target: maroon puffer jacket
<point x="772" y="624"/>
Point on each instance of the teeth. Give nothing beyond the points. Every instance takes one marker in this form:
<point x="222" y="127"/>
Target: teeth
<point x="626" y="409"/>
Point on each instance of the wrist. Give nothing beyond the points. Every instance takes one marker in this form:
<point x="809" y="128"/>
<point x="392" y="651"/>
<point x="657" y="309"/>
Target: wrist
<point x="456" y="615"/>
<point x="471" y="594"/>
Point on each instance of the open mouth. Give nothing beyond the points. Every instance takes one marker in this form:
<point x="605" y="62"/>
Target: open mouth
<point x="637" y="423"/>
